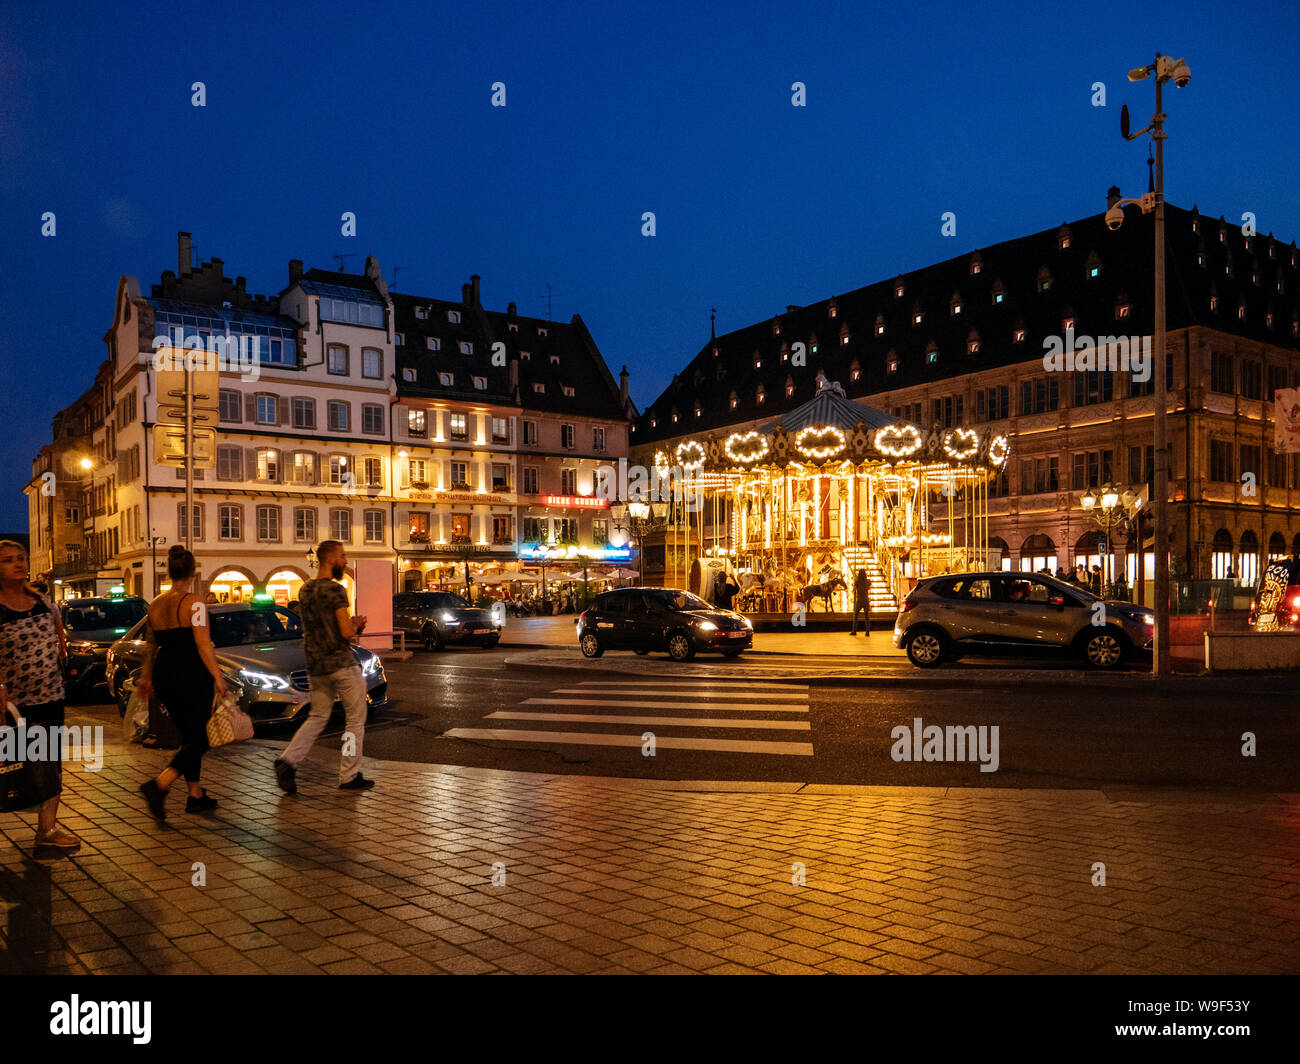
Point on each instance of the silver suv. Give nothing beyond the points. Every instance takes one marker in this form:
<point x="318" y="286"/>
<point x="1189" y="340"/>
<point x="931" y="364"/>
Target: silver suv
<point x="944" y="617"/>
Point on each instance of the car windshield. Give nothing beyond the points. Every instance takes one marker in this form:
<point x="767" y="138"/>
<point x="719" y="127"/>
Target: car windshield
<point x="92" y="616"/>
<point x="238" y="627"/>
<point x="678" y="600"/>
<point x="443" y="600"/>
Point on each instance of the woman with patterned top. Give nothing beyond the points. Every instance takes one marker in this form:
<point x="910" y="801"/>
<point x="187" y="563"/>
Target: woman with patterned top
<point x="32" y="647"/>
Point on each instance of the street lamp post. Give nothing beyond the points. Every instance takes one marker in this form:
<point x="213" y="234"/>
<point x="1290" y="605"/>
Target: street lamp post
<point x="1165" y="69"/>
<point x="642" y="520"/>
<point x="1111" y="509"/>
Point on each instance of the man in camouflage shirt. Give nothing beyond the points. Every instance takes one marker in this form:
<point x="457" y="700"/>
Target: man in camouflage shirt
<point x="329" y="631"/>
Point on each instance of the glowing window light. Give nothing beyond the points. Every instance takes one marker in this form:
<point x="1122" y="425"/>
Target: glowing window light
<point x="812" y="441"/>
<point x="746" y="447"/>
<point x="898" y="441"/>
<point x="690" y="455"/>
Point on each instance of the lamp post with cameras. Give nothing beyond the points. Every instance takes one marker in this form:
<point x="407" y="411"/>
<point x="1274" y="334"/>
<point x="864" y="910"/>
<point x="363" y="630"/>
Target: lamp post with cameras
<point x="1165" y="69"/>
<point x="643" y="519"/>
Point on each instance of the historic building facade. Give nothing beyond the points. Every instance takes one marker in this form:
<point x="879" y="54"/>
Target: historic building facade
<point x="963" y="342"/>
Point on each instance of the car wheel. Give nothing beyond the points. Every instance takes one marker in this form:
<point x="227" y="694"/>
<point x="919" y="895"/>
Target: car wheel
<point x="1103" y="649"/>
<point x="926" y="648"/>
<point x="680" y="647"/>
<point x="430" y="637"/>
<point x="732" y="653"/>
<point x="590" y="646"/>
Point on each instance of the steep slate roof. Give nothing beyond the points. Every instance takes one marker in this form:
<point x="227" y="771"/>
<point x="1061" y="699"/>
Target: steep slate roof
<point x="1125" y="275"/>
<point x="580" y="364"/>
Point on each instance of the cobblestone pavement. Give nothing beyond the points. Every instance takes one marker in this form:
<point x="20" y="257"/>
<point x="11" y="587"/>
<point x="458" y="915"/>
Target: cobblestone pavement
<point x="625" y="876"/>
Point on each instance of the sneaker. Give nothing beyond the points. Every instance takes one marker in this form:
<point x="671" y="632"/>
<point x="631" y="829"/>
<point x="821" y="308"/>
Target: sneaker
<point x="58" y="837"/>
<point x="154" y="796"/>
<point x="357" y="783"/>
<point x="201" y="804"/>
<point x="285" y="775"/>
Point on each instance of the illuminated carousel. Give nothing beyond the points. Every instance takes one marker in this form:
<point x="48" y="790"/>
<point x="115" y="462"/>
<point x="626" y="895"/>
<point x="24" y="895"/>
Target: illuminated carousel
<point x="792" y="509"/>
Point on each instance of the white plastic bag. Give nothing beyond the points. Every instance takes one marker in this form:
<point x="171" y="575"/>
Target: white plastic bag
<point x="135" y="721"/>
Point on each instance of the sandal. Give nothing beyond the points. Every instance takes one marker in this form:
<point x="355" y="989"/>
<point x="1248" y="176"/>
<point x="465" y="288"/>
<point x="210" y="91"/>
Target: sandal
<point x="56" y="836"/>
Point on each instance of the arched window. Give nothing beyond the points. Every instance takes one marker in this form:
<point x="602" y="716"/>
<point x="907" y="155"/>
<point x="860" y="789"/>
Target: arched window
<point x="1221" y="553"/>
<point x="999" y="553"/>
<point x="1087" y="550"/>
<point x="1276" y="546"/>
<point x="1248" y="560"/>
<point x="1038" y="552"/>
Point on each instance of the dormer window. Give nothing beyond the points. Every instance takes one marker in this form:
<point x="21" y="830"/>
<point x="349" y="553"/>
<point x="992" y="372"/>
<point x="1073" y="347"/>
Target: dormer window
<point x="776" y="326"/>
<point x="541" y="330"/>
<point x="539" y="387"/>
<point x="512" y="326"/>
<point x="1223" y="235"/>
<point x="716" y="352"/>
<point x="931" y="354"/>
<point x="1272" y="250"/>
<point x="526" y="356"/>
<point x="855" y="371"/>
<point x="445" y="379"/>
<point x="399" y="339"/>
<point x="1268" y="320"/>
<point x="431" y="342"/>
<point x="674" y="415"/>
<point x="1123" y="310"/>
<point x="453" y="317"/>
<point x="954" y="305"/>
<point x="421" y="313"/>
<point x="466" y="348"/>
<point x="408" y="374"/>
<point x="480" y="383"/>
<point x="1200" y="258"/>
<point x="1067" y="323"/>
<point x="973" y="343"/>
<point x="785" y="353"/>
<point x="699" y="410"/>
<point x="1241" y="311"/>
<point x="999" y="293"/>
<point x="1018" y="336"/>
<point x="917" y="315"/>
<point x="567" y="389"/>
<point x="758" y="360"/>
<point x="760" y="395"/>
<point x="976" y="264"/>
<point x="1063" y="237"/>
<point x="891" y="363"/>
<point x="880" y="325"/>
<point x="1214" y="302"/>
<point x="555" y="360"/>
<point x="898" y="290"/>
<point x="734" y="401"/>
<point x="653" y="422"/>
<point x="833" y="309"/>
<point x="789" y="387"/>
<point x="1254" y="277"/>
<point x="844" y="335"/>
<point x="1044" y="279"/>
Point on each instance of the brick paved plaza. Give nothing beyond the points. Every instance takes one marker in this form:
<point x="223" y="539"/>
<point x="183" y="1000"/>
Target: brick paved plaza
<point x="626" y="876"/>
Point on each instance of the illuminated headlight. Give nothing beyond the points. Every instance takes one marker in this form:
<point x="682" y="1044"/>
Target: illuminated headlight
<point x="748" y="622"/>
<point x="707" y="626"/>
<point x="370" y="666"/>
<point x="263" y="681"/>
<point x="449" y="618"/>
<point x="1149" y="619"/>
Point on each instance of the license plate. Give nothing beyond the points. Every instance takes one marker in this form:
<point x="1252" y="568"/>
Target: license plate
<point x="481" y="631"/>
<point x="737" y="635"/>
<point x="1265" y="618"/>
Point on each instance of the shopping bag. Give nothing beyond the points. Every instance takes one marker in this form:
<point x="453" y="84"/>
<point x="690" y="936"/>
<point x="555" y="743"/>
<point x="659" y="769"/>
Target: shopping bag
<point x="135" y="721"/>
<point x="23" y="784"/>
<point x="228" y="723"/>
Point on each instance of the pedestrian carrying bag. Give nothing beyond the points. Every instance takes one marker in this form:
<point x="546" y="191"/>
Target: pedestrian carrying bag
<point x="135" y="721"/>
<point x="23" y="784"/>
<point x="228" y="723"/>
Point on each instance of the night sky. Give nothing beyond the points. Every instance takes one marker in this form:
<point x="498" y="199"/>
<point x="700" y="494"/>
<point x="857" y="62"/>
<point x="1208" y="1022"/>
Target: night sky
<point x="611" y="110"/>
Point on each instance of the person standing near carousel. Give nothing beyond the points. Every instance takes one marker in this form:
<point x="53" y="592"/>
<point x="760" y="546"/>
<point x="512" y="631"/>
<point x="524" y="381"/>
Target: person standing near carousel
<point x="32" y="647"/>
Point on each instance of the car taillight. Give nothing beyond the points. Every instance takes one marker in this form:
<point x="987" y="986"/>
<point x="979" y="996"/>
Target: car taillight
<point x="908" y="604"/>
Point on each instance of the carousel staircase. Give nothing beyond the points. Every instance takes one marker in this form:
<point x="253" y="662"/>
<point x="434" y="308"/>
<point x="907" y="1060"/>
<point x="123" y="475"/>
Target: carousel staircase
<point x="882" y="596"/>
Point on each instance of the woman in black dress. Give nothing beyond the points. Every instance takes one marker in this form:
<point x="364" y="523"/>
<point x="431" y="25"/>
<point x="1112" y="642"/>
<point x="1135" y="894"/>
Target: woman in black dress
<point x="32" y="645"/>
<point x="182" y="668"/>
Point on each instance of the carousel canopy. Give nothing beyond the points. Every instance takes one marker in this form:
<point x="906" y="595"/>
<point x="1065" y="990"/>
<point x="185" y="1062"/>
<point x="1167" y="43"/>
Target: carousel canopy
<point x="829" y="407"/>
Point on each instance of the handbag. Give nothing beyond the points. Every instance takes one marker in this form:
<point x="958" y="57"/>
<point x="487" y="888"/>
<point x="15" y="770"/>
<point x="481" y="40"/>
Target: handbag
<point x="135" y="720"/>
<point x="23" y="784"/>
<point x="228" y="723"/>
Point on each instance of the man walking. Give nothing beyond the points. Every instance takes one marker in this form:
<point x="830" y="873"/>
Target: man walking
<point x="329" y="631"/>
<point x="861" y="602"/>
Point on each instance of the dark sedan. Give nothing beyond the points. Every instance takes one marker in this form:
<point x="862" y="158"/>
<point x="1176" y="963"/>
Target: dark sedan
<point x="260" y="653"/>
<point x="93" y="625"/>
<point x="439" y="618"/>
<point x="656" y="618"/>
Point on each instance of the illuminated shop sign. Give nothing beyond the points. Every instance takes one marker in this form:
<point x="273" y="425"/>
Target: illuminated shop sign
<point x="581" y="502"/>
<point x="537" y="552"/>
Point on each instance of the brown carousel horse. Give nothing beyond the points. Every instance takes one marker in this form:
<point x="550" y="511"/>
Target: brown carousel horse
<point x="829" y="584"/>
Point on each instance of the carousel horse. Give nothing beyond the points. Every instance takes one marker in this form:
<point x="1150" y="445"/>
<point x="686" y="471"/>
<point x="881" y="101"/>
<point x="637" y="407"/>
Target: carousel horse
<point x="828" y="585"/>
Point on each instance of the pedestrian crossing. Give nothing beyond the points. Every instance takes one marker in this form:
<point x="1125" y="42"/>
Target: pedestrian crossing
<point x="620" y="712"/>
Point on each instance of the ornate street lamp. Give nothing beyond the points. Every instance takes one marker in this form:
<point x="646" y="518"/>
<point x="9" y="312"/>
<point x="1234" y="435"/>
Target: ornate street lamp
<point x="643" y="519"/>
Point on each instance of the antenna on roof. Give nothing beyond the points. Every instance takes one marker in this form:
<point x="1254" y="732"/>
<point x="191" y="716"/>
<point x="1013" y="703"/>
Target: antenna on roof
<point x="393" y="283"/>
<point x="549" y="292"/>
<point x="341" y="259"/>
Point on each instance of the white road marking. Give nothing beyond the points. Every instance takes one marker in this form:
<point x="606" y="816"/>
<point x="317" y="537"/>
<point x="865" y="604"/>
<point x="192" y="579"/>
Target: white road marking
<point x="685" y="722"/>
<point x="612" y="701"/>
<point x="667" y="742"/>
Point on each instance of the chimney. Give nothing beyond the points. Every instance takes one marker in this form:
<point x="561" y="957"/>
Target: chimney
<point x="239" y="285"/>
<point x="465" y="296"/>
<point x="184" y="253"/>
<point x="1112" y="196"/>
<point x="295" y="271"/>
<point x="218" y="264"/>
<point x="473" y="281"/>
<point x="622" y="387"/>
<point x="511" y="309"/>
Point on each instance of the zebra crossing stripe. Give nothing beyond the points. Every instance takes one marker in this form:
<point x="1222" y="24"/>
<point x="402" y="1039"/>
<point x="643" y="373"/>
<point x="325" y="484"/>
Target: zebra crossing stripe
<point x="613" y="702"/>
<point x="665" y="742"/>
<point x="682" y="722"/>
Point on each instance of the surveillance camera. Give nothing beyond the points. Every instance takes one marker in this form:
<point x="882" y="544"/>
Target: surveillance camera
<point x="1181" y="75"/>
<point x="1115" y="217"/>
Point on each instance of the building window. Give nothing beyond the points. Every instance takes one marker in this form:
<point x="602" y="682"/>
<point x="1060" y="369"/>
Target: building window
<point x="567" y="389"/>
<point x="457" y="427"/>
<point x="599" y="532"/>
<point x="535" y="530"/>
<point x="480" y="383"/>
<point x="304" y="468"/>
<point x="417" y="473"/>
<point x="1018" y="336"/>
<point x="268" y="463"/>
<point x="340" y="415"/>
<point x="265" y="410"/>
<point x="1039" y="396"/>
<point x="598" y="440"/>
<point x="268" y="524"/>
<point x="453" y="316"/>
<point x="1221" y="461"/>
<point x="500" y="476"/>
<point x="336" y="360"/>
<point x="72" y="512"/>
<point x="374" y="526"/>
<point x="460" y="528"/>
<point x="1091" y="469"/>
<point x="373" y="468"/>
<point x="338" y="467"/>
<point x="304" y="412"/>
<point x="340" y="524"/>
<point x="734" y="402"/>
<point x="372" y="418"/>
<point x="182" y="529"/>
<point x="415" y="423"/>
<point x="466" y="348"/>
<point x="1093" y="386"/>
<point x="567" y="437"/>
<point x="421" y="313"/>
<point x="932" y="355"/>
<point x="432" y="343"/>
<point x="502" y="530"/>
<point x="566" y="530"/>
<point x="445" y="379"/>
<point x="994" y="404"/>
<point x="228" y="405"/>
<point x="408" y="375"/>
<point x="530" y="432"/>
<point x="372" y="364"/>
<point x="760" y="396"/>
<point x="568" y="482"/>
<point x="304" y="524"/>
<point x="530" y="480"/>
<point x="399" y="339"/>
<point x="460" y="476"/>
<point x="1222" y="377"/>
<point x="539" y="388"/>
<point x="1252" y="379"/>
<point x="230" y="520"/>
<point x="230" y="462"/>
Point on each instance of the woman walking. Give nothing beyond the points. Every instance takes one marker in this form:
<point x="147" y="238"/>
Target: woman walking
<point x="32" y="645"/>
<point x="182" y="669"/>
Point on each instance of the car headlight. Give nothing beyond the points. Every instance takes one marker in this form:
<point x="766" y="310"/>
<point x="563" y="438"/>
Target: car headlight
<point x="707" y="626"/>
<point x="748" y="622"/>
<point x="1149" y="619"/>
<point x="449" y="618"/>
<point x="371" y="666"/>
<point x="81" y="648"/>
<point x="263" y="681"/>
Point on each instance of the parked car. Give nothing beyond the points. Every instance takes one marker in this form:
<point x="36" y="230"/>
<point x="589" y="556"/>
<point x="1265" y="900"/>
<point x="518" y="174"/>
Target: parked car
<point x="93" y="625"/>
<point x="655" y="618"/>
<point x="437" y="618"/>
<point x="944" y="617"/>
<point x="1276" y="605"/>
<point x="261" y="655"/>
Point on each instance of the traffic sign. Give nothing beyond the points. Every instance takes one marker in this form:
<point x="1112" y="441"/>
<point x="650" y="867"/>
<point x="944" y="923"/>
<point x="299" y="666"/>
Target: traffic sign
<point x="169" y="446"/>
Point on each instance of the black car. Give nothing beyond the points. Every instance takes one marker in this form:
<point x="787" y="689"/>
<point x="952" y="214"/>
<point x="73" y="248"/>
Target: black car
<point x="261" y="655"/>
<point x="437" y="618"/>
<point x="93" y="625"/>
<point x="656" y="618"/>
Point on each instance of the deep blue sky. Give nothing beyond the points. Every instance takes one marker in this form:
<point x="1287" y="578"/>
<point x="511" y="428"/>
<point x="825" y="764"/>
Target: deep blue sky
<point x="681" y="109"/>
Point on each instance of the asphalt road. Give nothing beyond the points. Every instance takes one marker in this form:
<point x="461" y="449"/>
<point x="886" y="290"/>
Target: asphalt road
<point x="465" y="707"/>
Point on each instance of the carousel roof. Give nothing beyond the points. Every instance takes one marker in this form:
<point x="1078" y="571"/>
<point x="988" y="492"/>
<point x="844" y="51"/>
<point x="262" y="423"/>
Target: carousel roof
<point x="828" y="407"/>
